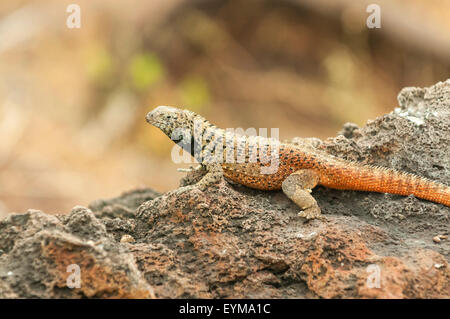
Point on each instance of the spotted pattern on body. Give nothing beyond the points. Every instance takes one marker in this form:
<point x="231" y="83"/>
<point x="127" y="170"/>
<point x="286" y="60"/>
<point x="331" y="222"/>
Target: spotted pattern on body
<point x="299" y="168"/>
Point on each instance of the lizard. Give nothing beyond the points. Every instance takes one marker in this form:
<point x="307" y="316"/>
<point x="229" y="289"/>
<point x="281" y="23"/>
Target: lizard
<point x="242" y="159"/>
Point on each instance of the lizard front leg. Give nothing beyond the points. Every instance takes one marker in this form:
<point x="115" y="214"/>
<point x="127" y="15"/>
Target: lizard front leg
<point x="213" y="175"/>
<point x="298" y="186"/>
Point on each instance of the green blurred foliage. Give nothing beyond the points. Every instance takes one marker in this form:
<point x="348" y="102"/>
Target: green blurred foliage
<point x="145" y="70"/>
<point x="195" y="92"/>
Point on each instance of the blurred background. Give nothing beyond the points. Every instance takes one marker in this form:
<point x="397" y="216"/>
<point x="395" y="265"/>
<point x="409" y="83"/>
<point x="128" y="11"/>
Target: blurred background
<point x="73" y="101"/>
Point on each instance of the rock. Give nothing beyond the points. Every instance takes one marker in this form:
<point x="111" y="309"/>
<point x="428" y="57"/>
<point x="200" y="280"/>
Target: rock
<point x="233" y="242"/>
<point x="39" y="249"/>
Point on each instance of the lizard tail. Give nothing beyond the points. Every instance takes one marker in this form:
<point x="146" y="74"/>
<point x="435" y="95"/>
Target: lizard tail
<point x="385" y="180"/>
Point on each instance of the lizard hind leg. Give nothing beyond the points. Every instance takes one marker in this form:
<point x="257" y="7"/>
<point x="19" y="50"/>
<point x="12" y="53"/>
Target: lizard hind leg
<point x="297" y="187"/>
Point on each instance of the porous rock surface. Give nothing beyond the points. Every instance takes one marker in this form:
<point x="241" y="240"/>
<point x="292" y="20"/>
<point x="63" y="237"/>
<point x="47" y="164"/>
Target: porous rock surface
<point x="233" y="242"/>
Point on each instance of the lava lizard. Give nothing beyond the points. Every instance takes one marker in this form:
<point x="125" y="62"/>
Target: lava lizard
<point x="299" y="168"/>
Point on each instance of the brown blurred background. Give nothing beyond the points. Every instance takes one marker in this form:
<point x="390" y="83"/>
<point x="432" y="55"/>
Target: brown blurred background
<point x="73" y="101"/>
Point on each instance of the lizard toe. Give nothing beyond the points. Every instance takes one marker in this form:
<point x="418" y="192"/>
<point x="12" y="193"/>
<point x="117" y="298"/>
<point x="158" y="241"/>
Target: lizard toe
<point x="310" y="213"/>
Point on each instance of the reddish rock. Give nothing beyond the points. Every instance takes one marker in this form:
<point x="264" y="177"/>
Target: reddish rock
<point x="37" y="249"/>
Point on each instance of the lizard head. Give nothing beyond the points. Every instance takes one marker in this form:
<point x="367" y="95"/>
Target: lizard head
<point x="170" y="119"/>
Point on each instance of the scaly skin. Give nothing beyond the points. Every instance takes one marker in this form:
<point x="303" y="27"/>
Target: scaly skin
<point x="340" y="174"/>
<point x="300" y="168"/>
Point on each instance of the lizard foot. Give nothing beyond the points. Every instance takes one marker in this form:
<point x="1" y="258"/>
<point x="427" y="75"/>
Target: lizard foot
<point x="297" y="187"/>
<point x="311" y="213"/>
<point x="215" y="173"/>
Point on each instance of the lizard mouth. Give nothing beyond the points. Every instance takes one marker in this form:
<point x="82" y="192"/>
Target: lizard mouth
<point x="153" y="120"/>
<point x="154" y="123"/>
<point x="150" y="119"/>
